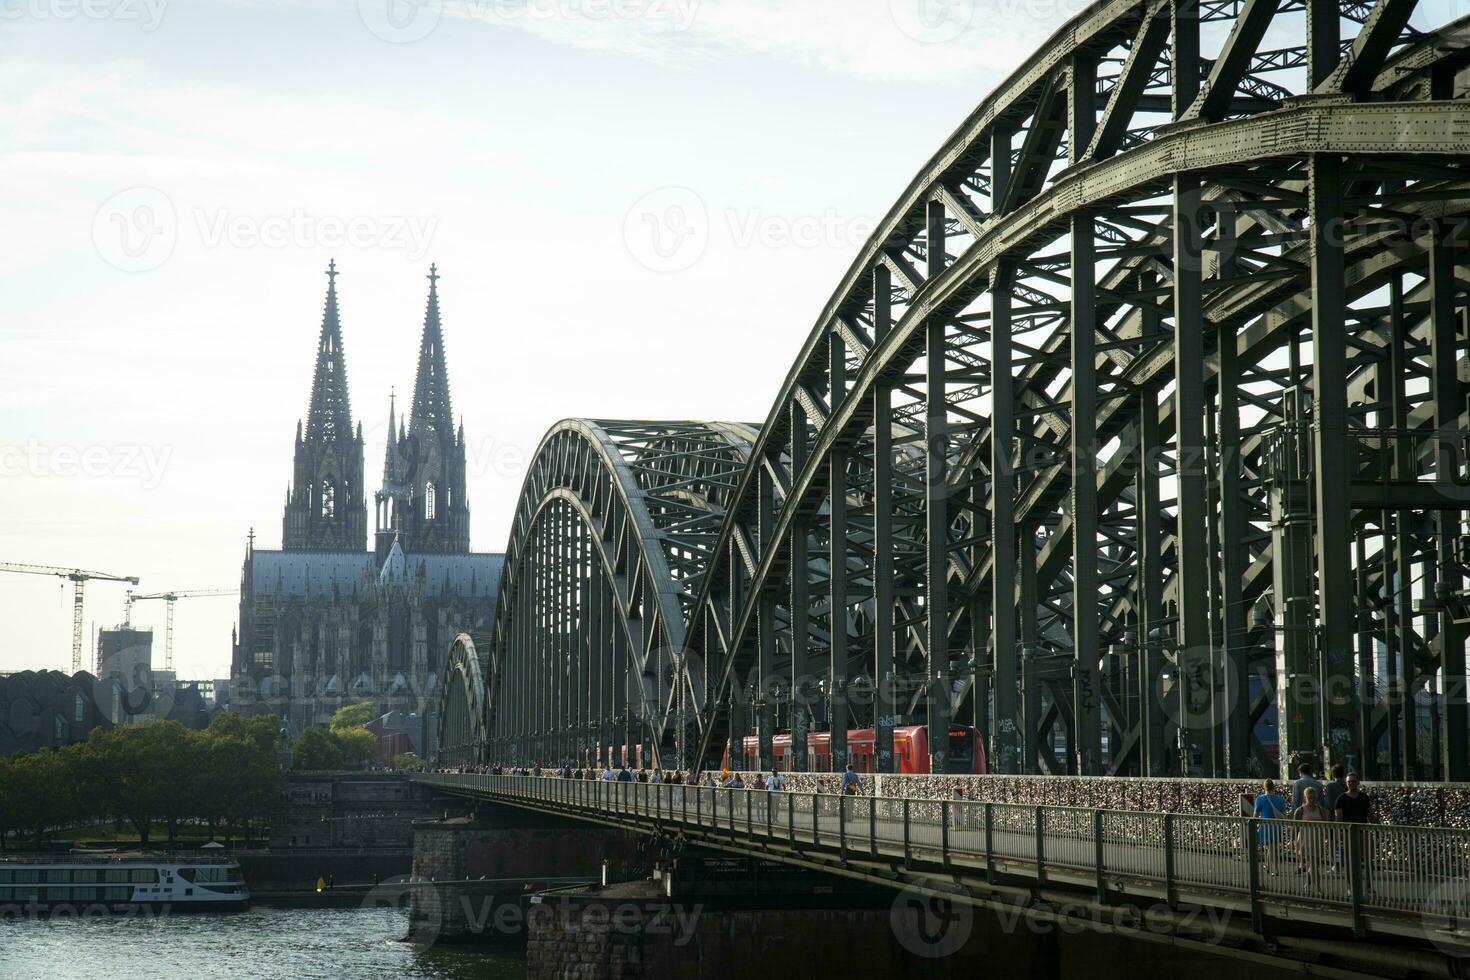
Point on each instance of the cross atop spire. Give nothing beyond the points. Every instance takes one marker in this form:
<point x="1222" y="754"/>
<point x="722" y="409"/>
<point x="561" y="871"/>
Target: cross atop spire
<point x="433" y="275"/>
<point x="332" y="272"/>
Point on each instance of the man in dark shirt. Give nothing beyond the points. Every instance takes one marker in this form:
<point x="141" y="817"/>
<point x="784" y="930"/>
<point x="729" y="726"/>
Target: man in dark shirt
<point x="1354" y="805"/>
<point x="1336" y="786"/>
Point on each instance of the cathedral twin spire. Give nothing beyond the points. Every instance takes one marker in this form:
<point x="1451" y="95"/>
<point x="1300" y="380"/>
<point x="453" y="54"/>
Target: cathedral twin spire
<point x="422" y="501"/>
<point x="330" y="413"/>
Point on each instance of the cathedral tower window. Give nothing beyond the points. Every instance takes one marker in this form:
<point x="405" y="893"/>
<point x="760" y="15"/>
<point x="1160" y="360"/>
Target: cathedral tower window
<point x="429" y="501"/>
<point x="329" y="499"/>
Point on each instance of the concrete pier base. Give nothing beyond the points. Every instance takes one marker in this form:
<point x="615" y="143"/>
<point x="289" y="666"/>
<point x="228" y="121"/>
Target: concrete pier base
<point x="473" y="876"/>
<point x="717" y="918"/>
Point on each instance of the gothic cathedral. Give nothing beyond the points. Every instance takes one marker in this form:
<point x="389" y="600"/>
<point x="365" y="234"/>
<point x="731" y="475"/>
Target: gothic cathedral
<point x="326" y="621"/>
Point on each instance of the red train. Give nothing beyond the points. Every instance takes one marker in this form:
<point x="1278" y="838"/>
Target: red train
<point x="910" y="750"/>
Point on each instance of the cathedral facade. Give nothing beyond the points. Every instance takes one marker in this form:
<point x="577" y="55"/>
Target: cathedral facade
<point x="332" y="618"/>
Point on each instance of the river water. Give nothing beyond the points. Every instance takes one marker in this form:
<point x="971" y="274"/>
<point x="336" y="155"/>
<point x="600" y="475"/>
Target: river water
<point x="264" y="943"/>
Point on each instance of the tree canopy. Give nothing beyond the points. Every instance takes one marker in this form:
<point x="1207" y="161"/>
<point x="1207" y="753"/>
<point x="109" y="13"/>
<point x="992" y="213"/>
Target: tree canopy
<point x="335" y="748"/>
<point x="354" y="715"/>
<point x="152" y="772"/>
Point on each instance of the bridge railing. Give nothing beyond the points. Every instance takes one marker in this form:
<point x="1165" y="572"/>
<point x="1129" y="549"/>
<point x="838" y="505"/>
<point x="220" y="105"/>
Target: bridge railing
<point x="1356" y="869"/>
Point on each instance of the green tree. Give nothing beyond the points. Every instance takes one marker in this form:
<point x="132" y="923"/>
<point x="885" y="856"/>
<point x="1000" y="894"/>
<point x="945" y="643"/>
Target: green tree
<point x="141" y="774"/>
<point x="408" y="762"/>
<point x="41" y="792"/>
<point x="354" y="715"/>
<point x="7" y="801"/>
<point x="240" y="776"/>
<point x="316" y="749"/>
<point x="358" y="746"/>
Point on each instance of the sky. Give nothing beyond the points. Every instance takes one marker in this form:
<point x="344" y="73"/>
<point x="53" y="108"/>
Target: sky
<point x="637" y="209"/>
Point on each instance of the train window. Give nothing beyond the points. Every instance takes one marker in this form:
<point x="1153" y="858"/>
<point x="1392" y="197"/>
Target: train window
<point x="962" y="750"/>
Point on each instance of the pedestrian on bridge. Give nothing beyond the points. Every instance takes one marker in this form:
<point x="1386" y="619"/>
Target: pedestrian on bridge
<point x="1269" y="807"/>
<point x="1355" y="806"/>
<point x="1336" y="786"/>
<point x="1312" y="838"/>
<point x="851" y="785"/>
<point x="775" y="783"/>
<point x="1305" y="781"/>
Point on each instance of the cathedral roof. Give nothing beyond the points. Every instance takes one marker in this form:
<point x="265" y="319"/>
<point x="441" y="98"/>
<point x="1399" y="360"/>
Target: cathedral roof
<point x="395" y="568"/>
<point x="313" y="573"/>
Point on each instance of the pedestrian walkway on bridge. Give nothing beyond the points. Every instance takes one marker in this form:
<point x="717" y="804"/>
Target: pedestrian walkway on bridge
<point x="1406" y="885"/>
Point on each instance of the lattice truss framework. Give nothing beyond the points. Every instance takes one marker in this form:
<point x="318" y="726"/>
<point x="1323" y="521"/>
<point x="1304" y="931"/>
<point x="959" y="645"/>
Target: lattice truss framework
<point x="1189" y="287"/>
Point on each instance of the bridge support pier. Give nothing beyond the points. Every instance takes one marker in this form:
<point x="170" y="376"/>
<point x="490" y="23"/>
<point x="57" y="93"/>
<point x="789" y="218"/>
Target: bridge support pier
<point x="472" y="874"/>
<point x="711" y="916"/>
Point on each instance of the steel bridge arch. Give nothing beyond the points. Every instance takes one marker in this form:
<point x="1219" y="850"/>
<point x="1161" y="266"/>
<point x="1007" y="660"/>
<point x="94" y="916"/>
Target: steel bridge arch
<point x="958" y="254"/>
<point x="462" y="711"/>
<point x="607" y="549"/>
<point x="1225" y="288"/>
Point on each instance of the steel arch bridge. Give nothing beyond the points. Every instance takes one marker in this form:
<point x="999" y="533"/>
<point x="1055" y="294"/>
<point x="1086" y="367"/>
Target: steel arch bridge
<point x="1134" y="437"/>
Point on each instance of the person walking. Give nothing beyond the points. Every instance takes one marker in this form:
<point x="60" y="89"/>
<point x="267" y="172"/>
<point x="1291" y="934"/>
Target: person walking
<point x="776" y="782"/>
<point x="1312" y="837"/>
<point x="1304" y="781"/>
<point x="851" y="785"/>
<point x="1269" y="807"/>
<point x="1355" y="806"/>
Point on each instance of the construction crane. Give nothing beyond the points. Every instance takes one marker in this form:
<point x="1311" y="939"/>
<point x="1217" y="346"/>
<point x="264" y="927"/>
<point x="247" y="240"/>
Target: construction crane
<point x="168" y="629"/>
<point x="79" y="579"/>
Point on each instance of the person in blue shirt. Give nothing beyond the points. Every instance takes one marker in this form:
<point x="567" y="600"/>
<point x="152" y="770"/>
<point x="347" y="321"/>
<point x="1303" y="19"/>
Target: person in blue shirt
<point x="1270" y="806"/>
<point x="776" y="782"/>
<point x="624" y="776"/>
<point x="1305" y="781"/>
<point x="851" y="785"/>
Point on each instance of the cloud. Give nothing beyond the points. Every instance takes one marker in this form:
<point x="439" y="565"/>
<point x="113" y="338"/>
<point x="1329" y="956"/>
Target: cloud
<point x="898" y="40"/>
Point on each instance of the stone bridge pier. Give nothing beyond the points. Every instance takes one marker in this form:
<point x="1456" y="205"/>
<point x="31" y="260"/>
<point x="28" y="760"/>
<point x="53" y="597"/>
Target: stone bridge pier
<point x="474" y="873"/>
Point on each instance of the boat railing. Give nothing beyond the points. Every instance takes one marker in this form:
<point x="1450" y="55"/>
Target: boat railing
<point x="117" y="857"/>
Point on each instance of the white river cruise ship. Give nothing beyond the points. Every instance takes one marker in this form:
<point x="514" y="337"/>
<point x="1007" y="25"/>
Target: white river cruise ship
<point x="122" y="881"/>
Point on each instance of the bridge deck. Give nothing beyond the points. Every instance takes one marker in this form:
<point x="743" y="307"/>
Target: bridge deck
<point x="1404" y="882"/>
